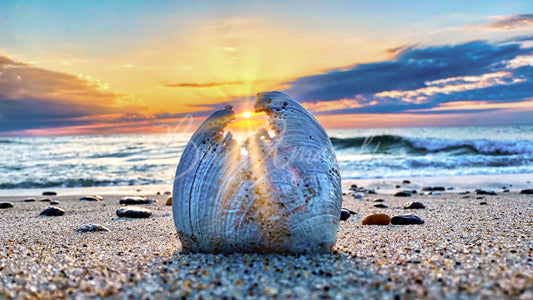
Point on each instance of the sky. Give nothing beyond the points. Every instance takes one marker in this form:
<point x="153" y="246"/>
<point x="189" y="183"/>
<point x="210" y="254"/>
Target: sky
<point x="103" y="67"/>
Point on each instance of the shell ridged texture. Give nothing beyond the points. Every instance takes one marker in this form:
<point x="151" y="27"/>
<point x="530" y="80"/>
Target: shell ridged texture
<point x="283" y="195"/>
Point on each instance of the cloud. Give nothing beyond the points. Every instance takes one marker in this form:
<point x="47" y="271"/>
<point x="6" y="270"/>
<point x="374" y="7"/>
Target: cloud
<point x="32" y="97"/>
<point x="421" y="78"/>
<point x="511" y="22"/>
<point x="204" y="85"/>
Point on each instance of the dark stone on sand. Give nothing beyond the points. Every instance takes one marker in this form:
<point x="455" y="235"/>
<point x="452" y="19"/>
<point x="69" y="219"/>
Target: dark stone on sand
<point x="403" y="194"/>
<point x="433" y="189"/>
<point x="135" y="201"/>
<point x="483" y="192"/>
<point x="29" y="200"/>
<point x="353" y="187"/>
<point x="406" y="220"/>
<point x="345" y="214"/>
<point x="406" y="182"/>
<point x="372" y="192"/>
<point x="397" y="186"/>
<point x="54" y="202"/>
<point x="167" y="193"/>
<point x="376" y="219"/>
<point x="505" y="191"/>
<point x="133" y="212"/>
<point x="89" y="198"/>
<point x="92" y="228"/>
<point x="46" y="200"/>
<point x="158" y="193"/>
<point x="483" y="203"/>
<point x="49" y="193"/>
<point x="6" y="205"/>
<point x="379" y="200"/>
<point x="414" y="205"/>
<point x="53" y="211"/>
<point x="380" y="205"/>
<point x="527" y="192"/>
<point x="479" y="198"/>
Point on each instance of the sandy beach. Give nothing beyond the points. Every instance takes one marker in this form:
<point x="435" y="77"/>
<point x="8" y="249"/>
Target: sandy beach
<point x="464" y="250"/>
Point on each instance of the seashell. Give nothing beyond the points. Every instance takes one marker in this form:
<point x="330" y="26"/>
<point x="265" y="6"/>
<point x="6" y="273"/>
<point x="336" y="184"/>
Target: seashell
<point x="277" y="192"/>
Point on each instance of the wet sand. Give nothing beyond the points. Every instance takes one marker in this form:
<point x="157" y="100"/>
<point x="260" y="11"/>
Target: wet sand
<point x="463" y="250"/>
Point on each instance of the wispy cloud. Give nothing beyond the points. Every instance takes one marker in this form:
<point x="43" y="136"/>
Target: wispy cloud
<point x="203" y="85"/>
<point x="422" y="79"/>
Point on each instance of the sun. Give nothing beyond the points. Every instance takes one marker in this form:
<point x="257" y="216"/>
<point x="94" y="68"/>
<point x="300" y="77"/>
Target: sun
<point x="247" y="114"/>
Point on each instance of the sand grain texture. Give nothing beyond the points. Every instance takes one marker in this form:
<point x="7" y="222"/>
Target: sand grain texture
<point x="463" y="250"/>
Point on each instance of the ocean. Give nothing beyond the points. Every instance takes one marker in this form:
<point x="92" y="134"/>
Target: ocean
<point x="151" y="159"/>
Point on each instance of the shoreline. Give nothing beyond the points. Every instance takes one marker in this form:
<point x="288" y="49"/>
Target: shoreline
<point x="460" y="183"/>
<point x="463" y="250"/>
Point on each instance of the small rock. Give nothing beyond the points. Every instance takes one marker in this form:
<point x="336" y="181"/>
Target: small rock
<point x="29" y="200"/>
<point x="49" y="193"/>
<point x="53" y="211"/>
<point x="158" y="193"/>
<point x="372" y="192"/>
<point x="379" y="200"/>
<point x="505" y="191"/>
<point x="46" y="200"/>
<point x="346" y="213"/>
<point x="414" y="205"/>
<point x="433" y="188"/>
<point x="358" y="196"/>
<point x="133" y="212"/>
<point x="403" y="194"/>
<point x="376" y="219"/>
<point x="397" y="186"/>
<point x="54" y="202"/>
<point x="527" y="192"/>
<point x="169" y="201"/>
<point x="92" y="228"/>
<point x="450" y="188"/>
<point x="6" y="205"/>
<point x="380" y="205"/>
<point x="167" y="193"/>
<point x="483" y="203"/>
<point x="353" y="187"/>
<point x="406" y="220"/>
<point x="483" y="192"/>
<point x="135" y="201"/>
<point x="406" y="182"/>
<point x="90" y="198"/>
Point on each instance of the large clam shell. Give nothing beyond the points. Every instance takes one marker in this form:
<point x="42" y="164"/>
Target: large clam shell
<point x="282" y="195"/>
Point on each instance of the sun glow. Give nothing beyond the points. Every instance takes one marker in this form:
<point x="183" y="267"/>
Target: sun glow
<point x="246" y="114"/>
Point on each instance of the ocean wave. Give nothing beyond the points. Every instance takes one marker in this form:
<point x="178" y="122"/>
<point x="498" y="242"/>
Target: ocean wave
<point x="72" y="183"/>
<point x="388" y="144"/>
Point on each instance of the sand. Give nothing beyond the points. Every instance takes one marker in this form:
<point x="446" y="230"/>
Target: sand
<point x="463" y="250"/>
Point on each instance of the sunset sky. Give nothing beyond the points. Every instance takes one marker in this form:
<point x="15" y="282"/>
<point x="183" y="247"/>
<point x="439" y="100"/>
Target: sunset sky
<point x="99" y="67"/>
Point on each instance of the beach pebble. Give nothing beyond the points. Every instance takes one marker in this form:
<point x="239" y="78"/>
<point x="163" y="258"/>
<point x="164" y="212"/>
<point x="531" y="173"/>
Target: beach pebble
<point x="397" y="186"/>
<point x="91" y="198"/>
<point x="406" y="182"/>
<point x="406" y="220"/>
<point x="380" y="205"/>
<point x="49" y="193"/>
<point x="483" y="192"/>
<point x="433" y="188"/>
<point x="53" y="211"/>
<point x="483" y="203"/>
<point x="29" y="200"/>
<point x="527" y="192"/>
<point x="414" y="205"/>
<point x="6" y="205"/>
<point x="169" y="201"/>
<point x="379" y="200"/>
<point x="167" y="193"/>
<point x="353" y="187"/>
<point x="54" y="202"/>
<point x="403" y="194"/>
<point x="133" y="212"/>
<point x="346" y="213"/>
<point x="135" y="200"/>
<point x="46" y="200"/>
<point x="92" y="228"/>
<point x="376" y="219"/>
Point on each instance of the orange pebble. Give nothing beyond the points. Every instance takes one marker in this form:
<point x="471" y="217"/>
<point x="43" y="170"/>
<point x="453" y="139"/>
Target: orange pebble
<point x="376" y="219"/>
